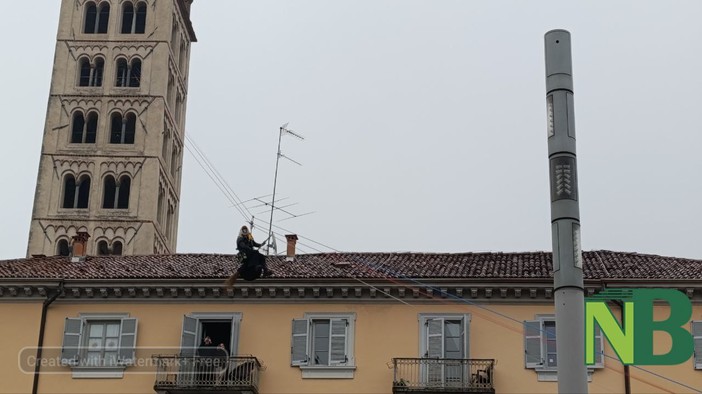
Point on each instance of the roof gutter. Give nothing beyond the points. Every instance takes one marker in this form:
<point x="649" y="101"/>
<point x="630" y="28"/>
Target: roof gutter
<point x="50" y="298"/>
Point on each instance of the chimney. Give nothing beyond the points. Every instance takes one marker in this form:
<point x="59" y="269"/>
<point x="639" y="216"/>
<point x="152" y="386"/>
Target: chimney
<point x="292" y="240"/>
<point x="79" y="246"/>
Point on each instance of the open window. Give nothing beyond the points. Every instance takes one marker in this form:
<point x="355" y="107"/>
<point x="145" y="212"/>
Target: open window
<point x="133" y="18"/>
<point x="322" y="345"/>
<point x="76" y="193"/>
<point x="540" y="348"/>
<point x="116" y="192"/>
<point x="220" y="327"/>
<point x="84" y="131"/>
<point x="97" y="17"/>
<point x="104" y="249"/>
<point x="62" y="248"/>
<point x="123" y="128"/>
<point x="128" y="74"/>
<point x="99" y="345"/>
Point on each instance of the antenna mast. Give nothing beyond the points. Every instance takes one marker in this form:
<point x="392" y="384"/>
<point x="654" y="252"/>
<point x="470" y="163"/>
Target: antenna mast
<point x="283" y="130"/>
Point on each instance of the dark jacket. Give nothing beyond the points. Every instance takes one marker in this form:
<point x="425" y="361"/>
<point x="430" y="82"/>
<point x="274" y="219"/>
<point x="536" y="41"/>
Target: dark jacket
<point x="246" y="245"/>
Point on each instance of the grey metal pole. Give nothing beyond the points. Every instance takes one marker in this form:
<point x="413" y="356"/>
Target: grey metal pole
<point x="565" y="216"/>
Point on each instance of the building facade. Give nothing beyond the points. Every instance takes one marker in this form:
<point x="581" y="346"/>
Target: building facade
<point x="324" y="323"/>
<point x="114" y="134"/>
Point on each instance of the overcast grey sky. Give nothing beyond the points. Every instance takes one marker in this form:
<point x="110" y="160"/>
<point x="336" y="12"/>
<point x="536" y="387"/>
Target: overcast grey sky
<point x="425" y="122"/>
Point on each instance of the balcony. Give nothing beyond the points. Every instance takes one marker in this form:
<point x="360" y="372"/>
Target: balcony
<point x="193" y="374"/>
<point x="436" y="375"/>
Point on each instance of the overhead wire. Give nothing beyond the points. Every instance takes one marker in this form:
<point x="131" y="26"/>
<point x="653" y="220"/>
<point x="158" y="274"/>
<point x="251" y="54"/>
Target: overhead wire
<point x="230" y="195"/>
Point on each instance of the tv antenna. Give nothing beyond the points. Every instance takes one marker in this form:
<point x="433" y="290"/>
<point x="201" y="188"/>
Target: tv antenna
<point x="282" y="131"/>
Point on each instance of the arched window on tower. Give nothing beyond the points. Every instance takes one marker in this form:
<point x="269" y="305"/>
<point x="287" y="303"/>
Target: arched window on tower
<point x="135" y="73"/>
<point x="128" y="74"/>
<point x="133" y="19"/>
<point x="85" y="71"/>
<point x="96" y="17"/>
<point x="62" y="248"/>
<point x="116" y="193"/>
<point x="83" y="132"/>
<point x="98" y="72"/>
<point x="123" y="129"/>
<point x="76" y="194"/>
<point x="91" y="74"/>
<point x="103" y="249"/>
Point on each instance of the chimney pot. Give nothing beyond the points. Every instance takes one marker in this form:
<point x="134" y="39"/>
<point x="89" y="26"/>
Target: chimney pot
<point x="292" y="240"/>
<point x="79" y="245"/>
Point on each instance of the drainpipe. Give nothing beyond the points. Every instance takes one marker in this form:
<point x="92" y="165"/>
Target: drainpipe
<point x="42" y="325"/>
<point x="627" y="377"/>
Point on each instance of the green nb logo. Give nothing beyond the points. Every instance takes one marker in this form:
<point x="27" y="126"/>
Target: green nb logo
<point x="633" y="339"/>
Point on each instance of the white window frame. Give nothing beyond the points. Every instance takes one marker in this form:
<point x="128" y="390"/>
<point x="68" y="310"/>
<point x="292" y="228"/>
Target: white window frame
<point x="78" y="367"/>
<point x="339" y="370"/>
<point x="423" y="321"/>
<point x="550" y="374"/>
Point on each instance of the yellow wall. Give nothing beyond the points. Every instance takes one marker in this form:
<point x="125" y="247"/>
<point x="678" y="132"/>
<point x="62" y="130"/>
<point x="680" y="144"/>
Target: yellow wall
<point x="382" y="331"/>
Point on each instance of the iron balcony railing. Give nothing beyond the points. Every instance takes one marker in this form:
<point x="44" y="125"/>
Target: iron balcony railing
<point x="176" y="373"/>
<point x="443" y="375"/>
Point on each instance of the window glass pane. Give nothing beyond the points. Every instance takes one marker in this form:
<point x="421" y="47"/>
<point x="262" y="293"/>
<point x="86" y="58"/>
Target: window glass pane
<point x="321" y="341"/>
<point x="112" y="330"/>
<point x="93" y="358"/>
<point x="111" y="344"/>
<point x="110" y="358"/>
<point x="96" y="330"/>
<point x="94" y="343"/>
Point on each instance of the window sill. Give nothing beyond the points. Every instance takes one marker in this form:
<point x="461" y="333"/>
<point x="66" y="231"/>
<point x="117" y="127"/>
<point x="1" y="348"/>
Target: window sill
<point x="551" y="375"/>
<point x="327" y="372"/>
<point x="116" y="372"/>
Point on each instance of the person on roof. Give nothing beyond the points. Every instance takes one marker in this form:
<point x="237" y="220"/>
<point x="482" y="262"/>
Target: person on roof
<point x="253" y="263"/>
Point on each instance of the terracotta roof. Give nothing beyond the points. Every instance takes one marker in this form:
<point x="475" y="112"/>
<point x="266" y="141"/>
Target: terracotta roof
<point x="526" y="265"/>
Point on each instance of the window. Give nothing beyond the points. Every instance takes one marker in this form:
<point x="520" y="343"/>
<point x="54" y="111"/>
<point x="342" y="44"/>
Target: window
<point x="322" y="345"/>
<point x="90" y="74"/>
<point x="84" y="132"/>
<point x="99" y="345"/>
<point x="76" y="194"/>
<point x="697" y="337"/>
<point x="116" y="193"/>
<point x="128" y="74"/>
<point x="123" y="129"/>
<point x="133" y="20"/>
<point x="540" y="347"/>
<point x="96" y="17"/>
<point x="220" y="327"/>
<point x="444" y="336"/>
<point x="104" y="250"/>
<point x="62" y="248"/>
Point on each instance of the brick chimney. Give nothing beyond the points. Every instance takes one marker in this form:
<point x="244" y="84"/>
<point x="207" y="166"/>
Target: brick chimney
<point x="79" y="246"/>
<point x="292" y="240"/>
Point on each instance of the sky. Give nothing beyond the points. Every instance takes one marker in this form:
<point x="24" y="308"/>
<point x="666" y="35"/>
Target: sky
<point x="424" y="123"/>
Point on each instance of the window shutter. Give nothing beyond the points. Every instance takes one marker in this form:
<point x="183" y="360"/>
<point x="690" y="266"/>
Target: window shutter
<point x="697" y="337"/>
<point x="337" y="341"/>
<point x="532" y="344"/>
<point x="435" y="338"/>
<point x="599" y="348"/>
<point x="188" y="343"/>
<point x="298" y="349"/>
<point x="234" y="340"/>
<point x="71" y="341"/>
<point x="127" y="341"/>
